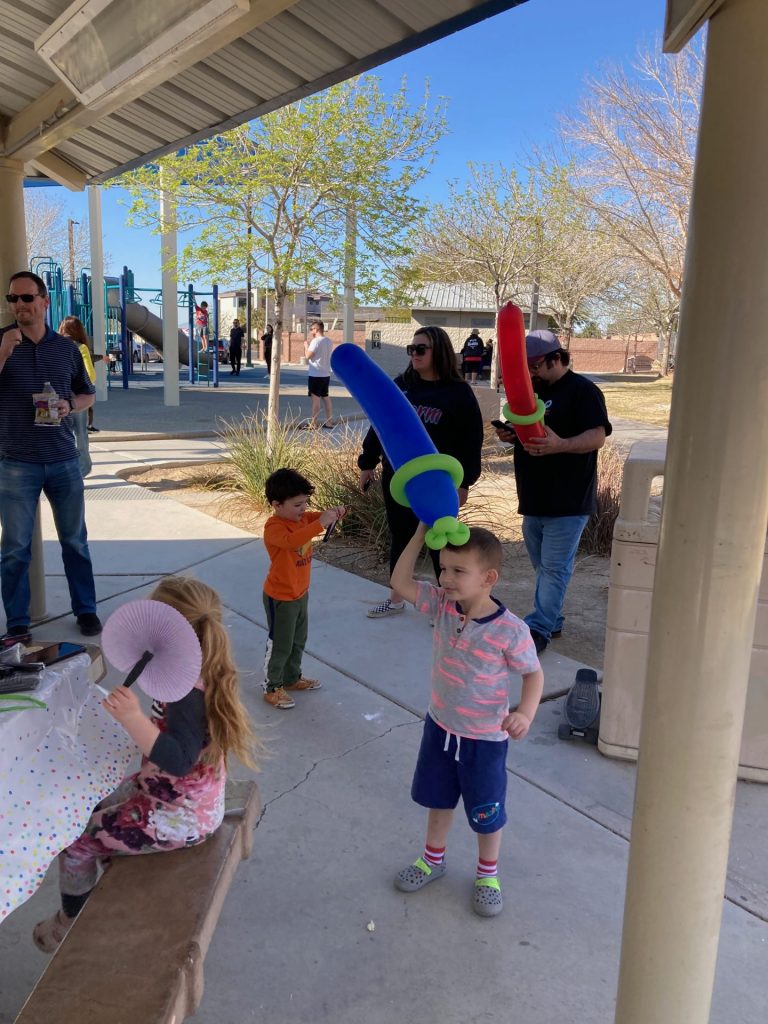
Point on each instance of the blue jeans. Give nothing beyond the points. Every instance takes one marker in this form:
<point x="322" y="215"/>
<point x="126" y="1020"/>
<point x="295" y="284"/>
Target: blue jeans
<point x="551" y="543"/>
<point x="20" y="487"/>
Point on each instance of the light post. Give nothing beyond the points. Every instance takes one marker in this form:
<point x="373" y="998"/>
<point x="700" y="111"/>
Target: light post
<point x="248" y="301"/>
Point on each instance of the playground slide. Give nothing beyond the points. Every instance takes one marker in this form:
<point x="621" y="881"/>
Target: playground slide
<point x="150" y="327"/>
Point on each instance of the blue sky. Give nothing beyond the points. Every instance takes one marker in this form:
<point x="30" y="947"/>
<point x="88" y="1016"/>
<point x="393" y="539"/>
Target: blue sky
<point x="507" y="81"/>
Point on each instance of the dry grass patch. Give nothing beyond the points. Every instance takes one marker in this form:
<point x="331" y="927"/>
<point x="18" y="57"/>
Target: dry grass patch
<point x="646" y="401"/>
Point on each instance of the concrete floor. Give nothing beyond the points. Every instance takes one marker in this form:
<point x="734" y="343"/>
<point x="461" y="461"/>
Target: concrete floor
<point x="292" y="943"/>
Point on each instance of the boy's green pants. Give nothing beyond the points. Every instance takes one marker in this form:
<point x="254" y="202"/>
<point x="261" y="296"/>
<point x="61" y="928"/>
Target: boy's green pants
<point x="287" y="623"/>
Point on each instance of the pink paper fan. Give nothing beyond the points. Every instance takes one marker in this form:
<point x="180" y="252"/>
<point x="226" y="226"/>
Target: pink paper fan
<point x="156" y="645"/>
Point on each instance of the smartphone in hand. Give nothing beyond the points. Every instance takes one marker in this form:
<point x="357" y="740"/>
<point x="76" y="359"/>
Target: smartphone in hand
<point x="501" y="425"/>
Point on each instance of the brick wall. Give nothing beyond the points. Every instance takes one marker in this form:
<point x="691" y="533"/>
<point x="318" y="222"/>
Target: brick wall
<point x="589" y="355"/>
<point x="606" y="355"/>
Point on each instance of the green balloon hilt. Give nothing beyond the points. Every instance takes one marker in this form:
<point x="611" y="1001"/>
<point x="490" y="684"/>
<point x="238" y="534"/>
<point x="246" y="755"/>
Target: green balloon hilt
<point x="423" y="464"/>
<point x="446" y="530"/>
<point x="519" y="420"/>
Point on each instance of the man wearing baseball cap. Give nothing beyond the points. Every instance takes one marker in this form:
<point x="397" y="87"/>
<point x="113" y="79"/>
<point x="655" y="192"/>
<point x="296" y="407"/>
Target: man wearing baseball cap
<point x="556" y="476"/>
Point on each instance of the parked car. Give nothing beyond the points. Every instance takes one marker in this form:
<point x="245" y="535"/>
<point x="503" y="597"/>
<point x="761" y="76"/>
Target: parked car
<point x="149" y="353"/>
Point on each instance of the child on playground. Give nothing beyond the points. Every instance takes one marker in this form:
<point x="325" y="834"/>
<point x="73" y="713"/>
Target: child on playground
<point x="479" y="648"/>
<point x="202" y="323"/>
<point x="176" y="799"/>
<point x="288" y="538"/>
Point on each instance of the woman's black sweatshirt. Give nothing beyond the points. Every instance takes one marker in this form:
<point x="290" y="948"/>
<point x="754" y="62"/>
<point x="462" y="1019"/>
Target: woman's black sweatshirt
<point x="451" y="416"/>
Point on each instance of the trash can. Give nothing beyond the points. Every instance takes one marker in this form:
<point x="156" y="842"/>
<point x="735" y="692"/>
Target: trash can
<point x="633" y="564"/>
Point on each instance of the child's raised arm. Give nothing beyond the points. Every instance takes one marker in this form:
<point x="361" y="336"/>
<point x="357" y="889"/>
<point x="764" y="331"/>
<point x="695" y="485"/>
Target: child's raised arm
<point x="402" y="575"/>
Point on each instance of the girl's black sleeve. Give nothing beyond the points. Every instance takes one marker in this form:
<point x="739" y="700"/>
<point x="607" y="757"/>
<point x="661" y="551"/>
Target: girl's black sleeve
<point x="372" y="451"/>
<point x="469" y="438"/>
<point x="176" y="750"/>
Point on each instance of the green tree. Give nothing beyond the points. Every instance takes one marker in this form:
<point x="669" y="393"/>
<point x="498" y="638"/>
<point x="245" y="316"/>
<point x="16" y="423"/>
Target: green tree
<point x="524" y="238"/>
<point x="486" y="232"/>
<point x="277" y="196"/>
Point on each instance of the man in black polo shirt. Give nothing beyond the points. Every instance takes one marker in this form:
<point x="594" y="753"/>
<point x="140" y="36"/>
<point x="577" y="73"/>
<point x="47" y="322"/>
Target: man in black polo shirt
<point x="556" y="477"/>
<point x="38" y="458"/>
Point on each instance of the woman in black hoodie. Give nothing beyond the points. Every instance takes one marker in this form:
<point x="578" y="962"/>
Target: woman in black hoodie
<point x="447" y="407"/>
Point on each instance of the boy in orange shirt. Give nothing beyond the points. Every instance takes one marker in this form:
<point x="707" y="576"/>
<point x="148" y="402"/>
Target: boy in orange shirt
<point x="288" y="538"/>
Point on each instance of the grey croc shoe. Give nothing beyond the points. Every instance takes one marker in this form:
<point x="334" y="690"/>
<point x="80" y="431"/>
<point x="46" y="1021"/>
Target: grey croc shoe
<point x="487" y="900"/>
<point x="417" y="875"/>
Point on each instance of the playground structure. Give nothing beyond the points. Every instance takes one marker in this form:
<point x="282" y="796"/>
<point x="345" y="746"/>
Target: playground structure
<point x="127" y="314"/>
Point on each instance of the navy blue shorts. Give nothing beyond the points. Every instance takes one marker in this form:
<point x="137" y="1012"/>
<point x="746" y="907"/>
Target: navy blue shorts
<point x="479" y="777"/>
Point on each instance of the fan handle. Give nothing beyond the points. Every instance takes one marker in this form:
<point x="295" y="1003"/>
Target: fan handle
<point x="138" y="668"/>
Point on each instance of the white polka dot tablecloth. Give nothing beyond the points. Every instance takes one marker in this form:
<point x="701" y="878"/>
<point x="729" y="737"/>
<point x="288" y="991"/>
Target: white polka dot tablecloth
<point x="55" y="765"/>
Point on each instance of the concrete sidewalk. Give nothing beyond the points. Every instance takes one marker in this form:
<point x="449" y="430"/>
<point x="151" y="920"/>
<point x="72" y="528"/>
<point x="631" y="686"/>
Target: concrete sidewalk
<point x="292" y="944"/>
<point x="139" y="412"/>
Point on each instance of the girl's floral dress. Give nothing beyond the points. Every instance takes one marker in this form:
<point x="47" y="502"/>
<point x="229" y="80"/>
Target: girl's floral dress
<point x="149" y="812"/>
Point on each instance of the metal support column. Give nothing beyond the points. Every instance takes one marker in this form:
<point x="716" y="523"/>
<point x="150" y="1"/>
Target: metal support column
<point x="168" y="249"/>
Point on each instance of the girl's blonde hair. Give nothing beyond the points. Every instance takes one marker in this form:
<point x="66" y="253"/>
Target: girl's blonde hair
<point x="229" y="726"/>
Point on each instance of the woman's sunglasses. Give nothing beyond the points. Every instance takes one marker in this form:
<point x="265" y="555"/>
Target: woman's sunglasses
<point x="417" y="350"/>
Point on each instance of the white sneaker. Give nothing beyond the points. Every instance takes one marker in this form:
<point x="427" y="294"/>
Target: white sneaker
<point x="380" y="611"/>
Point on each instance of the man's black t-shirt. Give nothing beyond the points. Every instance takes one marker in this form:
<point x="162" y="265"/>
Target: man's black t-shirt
<point x="236" y="337"/>
<point x="563" y="484"/>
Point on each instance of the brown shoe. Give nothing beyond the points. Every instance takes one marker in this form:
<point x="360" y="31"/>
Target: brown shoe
<point x="304" y="684"/>
<point x="279" y="699"/>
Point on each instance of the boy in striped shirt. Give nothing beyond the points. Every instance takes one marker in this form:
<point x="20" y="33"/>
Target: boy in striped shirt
<point x="479" y="649"/>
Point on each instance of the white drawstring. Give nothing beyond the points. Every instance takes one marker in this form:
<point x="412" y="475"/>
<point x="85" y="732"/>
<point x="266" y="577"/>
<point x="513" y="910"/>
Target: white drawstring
<point x="448" y="741"/>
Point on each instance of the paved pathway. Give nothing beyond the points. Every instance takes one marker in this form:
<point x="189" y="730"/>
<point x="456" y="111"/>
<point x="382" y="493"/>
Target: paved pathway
<point x="292" y="944"/>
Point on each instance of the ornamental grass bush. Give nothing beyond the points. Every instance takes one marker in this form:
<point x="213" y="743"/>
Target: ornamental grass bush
<point x="598" y="534"/>
<point x="328" y="460"/>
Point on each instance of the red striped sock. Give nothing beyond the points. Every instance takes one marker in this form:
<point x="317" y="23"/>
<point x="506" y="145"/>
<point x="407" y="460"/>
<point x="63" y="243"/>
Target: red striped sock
<point x="486" y="868"/>
<point x="434" y="855"/>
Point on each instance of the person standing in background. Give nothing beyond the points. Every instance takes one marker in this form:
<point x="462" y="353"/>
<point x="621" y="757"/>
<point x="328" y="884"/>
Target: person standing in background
<point x="40" y="459"/>
<point x="267" y="337"/>
<point x="472" y="356"/>
<point x="318" y="352"/>
<point x="235" y="348"/>
<point x="448" y="408"/>
<point x="72" y="327"/>
<point x="556" y="477"/>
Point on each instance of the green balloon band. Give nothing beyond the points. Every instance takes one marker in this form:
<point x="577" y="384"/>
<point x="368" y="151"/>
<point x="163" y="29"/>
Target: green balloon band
<point x="446" y="530"/>
<point x="423" y="464"/>
<point x="524" y="421"/>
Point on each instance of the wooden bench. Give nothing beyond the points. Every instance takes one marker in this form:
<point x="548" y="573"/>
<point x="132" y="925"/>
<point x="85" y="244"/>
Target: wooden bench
<point x="135" y="954"/>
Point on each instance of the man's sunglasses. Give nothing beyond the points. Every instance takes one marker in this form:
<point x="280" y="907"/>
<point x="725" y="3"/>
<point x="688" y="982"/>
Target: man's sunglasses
<point x="533" y="367"/>
<point x="26" y="297"/>
<point x="417" y="350"/>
